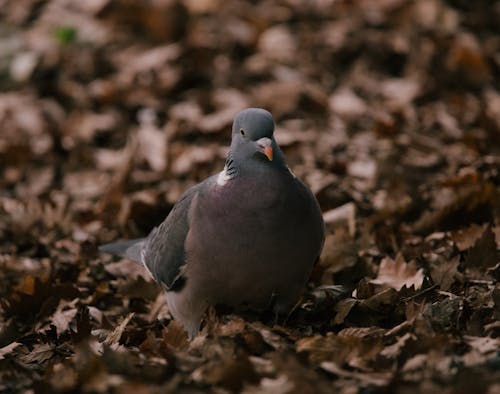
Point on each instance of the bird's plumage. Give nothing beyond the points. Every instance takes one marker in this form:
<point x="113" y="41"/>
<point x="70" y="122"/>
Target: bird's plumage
<point x="247" y="237"/>
<point x="130" y="249"/>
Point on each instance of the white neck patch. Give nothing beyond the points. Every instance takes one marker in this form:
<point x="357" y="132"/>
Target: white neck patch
<point x="223" y="177"/>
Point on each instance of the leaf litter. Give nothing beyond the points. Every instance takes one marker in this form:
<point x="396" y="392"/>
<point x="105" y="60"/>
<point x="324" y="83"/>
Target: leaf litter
<point x="389" y="111"/>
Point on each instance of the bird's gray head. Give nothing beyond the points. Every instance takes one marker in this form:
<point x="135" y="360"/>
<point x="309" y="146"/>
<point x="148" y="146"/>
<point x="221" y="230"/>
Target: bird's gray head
<point x="253" y="139"/>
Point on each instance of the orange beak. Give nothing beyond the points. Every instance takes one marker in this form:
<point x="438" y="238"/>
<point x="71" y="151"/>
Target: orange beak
<point x="265" y="145"/>
<point x="268" y="151"/>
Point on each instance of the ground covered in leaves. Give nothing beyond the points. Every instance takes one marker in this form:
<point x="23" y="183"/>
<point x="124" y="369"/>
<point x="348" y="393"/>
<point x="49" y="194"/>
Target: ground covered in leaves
<point x="390" y="112"/>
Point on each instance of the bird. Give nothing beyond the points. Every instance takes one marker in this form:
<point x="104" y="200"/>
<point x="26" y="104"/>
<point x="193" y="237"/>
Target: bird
<point x="247" y="237"/>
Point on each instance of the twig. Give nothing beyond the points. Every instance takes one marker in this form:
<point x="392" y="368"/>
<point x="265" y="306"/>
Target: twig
<point x="419" y="293"/>
<point x="480" y="282"/>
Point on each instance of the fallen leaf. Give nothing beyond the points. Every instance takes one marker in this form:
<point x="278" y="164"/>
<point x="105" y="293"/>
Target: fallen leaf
<point x="394" y="350"/>
<point x="343" y="308"/>
<point x="64" y="315"/>
<point x="466" y="238"/>
<point x="277" y="43"/>
<point x="343" y="214"/>
<point x="484" y="252"/>
<point x="400" y="91"/>
<point x="280" y="385"/>
<point x="483" y="345"/>
<point x="152" y="141"/>
<point x="365" y="378"/>
<point x="397" y="273"/>
<point x="346" y="103"/>
<point x="175" y="336"/>
<point x="340" y="252"/>
<point x="127" y="269"/>
<point x="416" y="362"/>
<point x="39" y="354"/>
<point x="4" y="351"/>
<point x="444" y="273"/>
<point x="443" y="314"/>
<point x="114" y="336"/>
<point x="230" y="372"/>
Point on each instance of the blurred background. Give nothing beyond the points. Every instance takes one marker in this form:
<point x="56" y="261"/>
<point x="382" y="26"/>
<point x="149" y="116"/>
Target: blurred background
<point x="109" y="109"/>
<point x="117" y="106"/>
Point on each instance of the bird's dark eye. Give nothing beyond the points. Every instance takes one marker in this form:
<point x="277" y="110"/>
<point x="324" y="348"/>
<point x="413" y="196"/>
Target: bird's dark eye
<point x="242" y="132"/>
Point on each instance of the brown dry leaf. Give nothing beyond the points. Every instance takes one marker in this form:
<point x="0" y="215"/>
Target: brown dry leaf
<point x="114" y="336"/>
<point x="398" y="273"/>
<point x="63" y="377"/>
<point x="279" y="97"/>
<point x="152" y="141"/>
<point x="192" y="156"/>
<point x="443" y="314"/>
<point x="277" y="43"/>
<point x="228" y="102"/>
<point x="175" y="336"/>
<point x="86" y="185"/>
<point x="444" y="273"/>
<point x="343" y="308"/>
<point x="230" y="372"/>
<point x="345" y="214"/>
<point x="6" y="350"/>
<point x="484" y="252"/>
<point x="83" y="126"/>
<point x="382" y="302"/>
<point x="416" y="362"/>
<point x="394" y="350"/>
<point x="139" y="288"/>
<point x="365" y="378"/>
<point x="135" y="61"/>
<point x="128" y="269"/>
<point x="323" y="298"/>
<point x="64" y="315"/>
<point x="231" y="328"/>
<point x="292" y="132"/>
<point x="484" y="345"/>
<point x="280" y="385"/>
<point x="347" y="104"/>
<point x="42" y="298"/>
<point x="400" y="91"/>
<point x="466" y="61"/>
<point x="39" y="354"/>
<point x="422" y="160"/>
<point x="256" y="345"/>
<point x="466" y="238"/>
<point x="39" y="182"/>
<point x="340" y="252"/>
<point x="482" y="350"/>
<point x="450" y="203"/>
<point x="352" y="350"/>
<point x="362" y="332"/>
<point x="186" y="113"/>
<point x="270" y="337"/>
<point x="27" y="285"/>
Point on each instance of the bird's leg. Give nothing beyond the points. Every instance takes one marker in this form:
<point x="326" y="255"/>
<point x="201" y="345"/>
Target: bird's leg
<point x="272" y="306"/>
<point x="276" y="318"/>
<point x="283" y="309"/>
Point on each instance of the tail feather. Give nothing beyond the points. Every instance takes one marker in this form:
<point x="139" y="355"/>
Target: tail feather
<point x="130" y="249"/>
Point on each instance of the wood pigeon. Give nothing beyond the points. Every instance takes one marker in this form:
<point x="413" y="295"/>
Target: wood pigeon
<point x="247" y="237"/>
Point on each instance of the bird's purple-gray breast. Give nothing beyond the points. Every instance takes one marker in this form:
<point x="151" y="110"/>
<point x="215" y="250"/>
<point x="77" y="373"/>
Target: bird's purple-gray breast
<point x="255" y="240"/>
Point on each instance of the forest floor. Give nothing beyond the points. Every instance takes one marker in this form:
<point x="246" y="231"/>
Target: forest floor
<point x="389" y="110"/>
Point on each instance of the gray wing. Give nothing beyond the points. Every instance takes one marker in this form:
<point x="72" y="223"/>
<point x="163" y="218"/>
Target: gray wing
<point x="130" y="249"/>
<point x="163" y="252"/>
